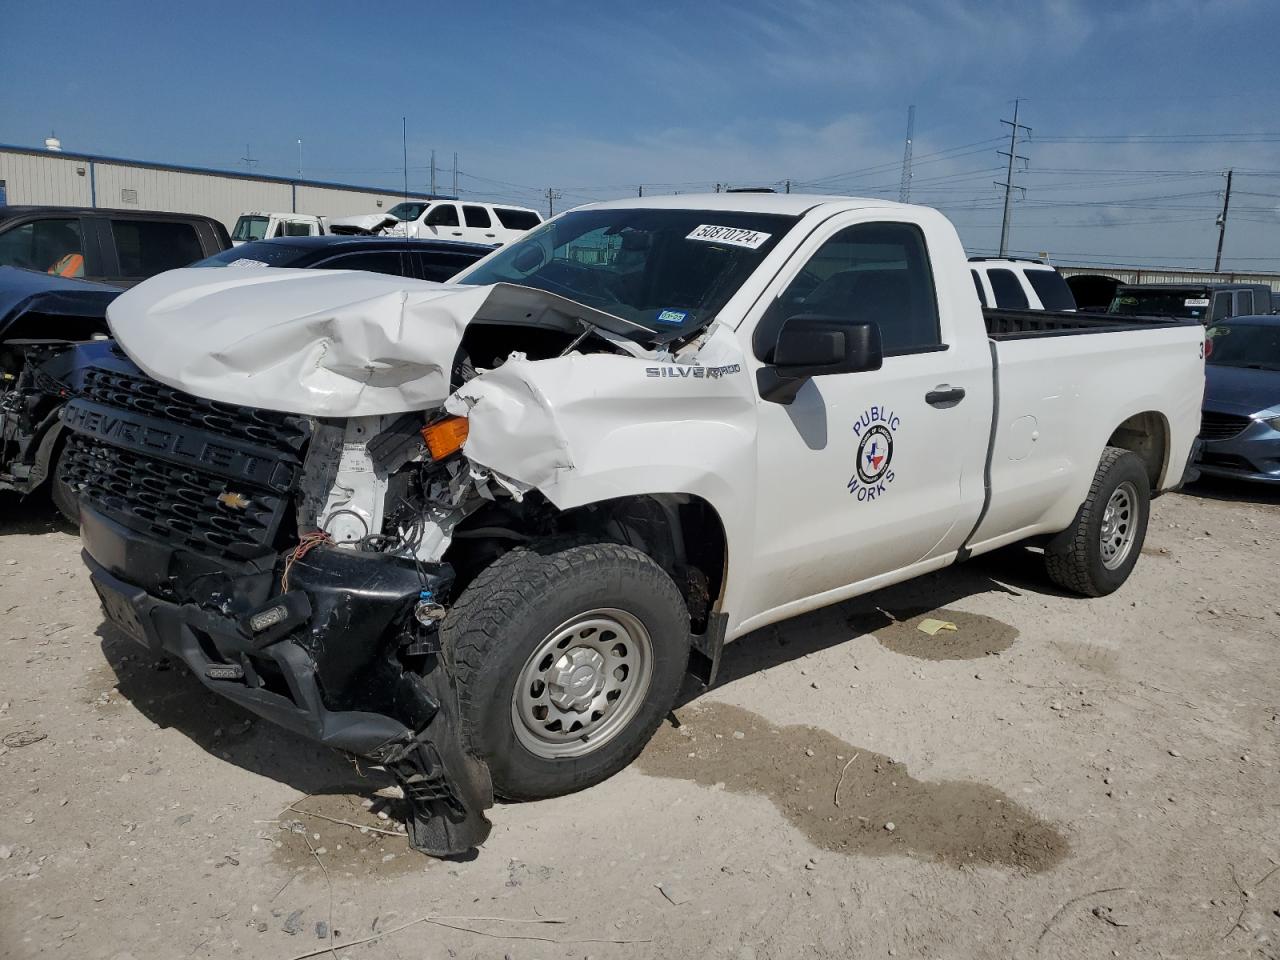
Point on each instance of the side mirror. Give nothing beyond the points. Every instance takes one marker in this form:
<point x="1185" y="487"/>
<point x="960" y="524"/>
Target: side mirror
<point x="811" y="345"/>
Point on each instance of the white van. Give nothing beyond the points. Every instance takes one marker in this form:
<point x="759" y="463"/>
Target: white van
<point x="490" y="223"/>
<point x="259" y="225"/>
<point x="1016" y="284"/>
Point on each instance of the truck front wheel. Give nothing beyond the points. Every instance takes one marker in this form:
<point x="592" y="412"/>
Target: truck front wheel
<point x="1095" y="555"/>
<point x="565" y="662"/>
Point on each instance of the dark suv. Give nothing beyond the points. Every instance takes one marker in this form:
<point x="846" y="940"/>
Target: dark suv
<point x="122" y="247"/>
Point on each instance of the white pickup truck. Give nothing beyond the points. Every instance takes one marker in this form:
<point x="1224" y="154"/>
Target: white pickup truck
<point x="478" y="532"/>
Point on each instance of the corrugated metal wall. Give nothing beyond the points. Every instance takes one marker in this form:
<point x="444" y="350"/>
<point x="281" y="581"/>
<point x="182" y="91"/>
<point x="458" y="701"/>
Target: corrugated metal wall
<point x="1166" y="275"/>
<point x="76" y="181"/>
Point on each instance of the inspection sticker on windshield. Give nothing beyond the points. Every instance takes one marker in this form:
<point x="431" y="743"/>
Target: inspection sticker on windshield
<point x="735" y="236"/>
<point x="676" y="317"/>
<point x="1196" y="302"/>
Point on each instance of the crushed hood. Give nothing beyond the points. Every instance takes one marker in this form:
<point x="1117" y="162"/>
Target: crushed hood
<point x="326" y="343"/>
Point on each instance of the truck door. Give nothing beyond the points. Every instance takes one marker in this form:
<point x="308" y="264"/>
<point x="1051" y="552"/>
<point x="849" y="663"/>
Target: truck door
<point x="442" y="221"/>
<point x="865" y="474"/>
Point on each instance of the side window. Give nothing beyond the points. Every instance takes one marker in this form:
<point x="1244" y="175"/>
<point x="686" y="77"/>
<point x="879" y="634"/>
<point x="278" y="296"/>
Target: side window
<point x="476" y="216"/>
<point x="872" y="272"/>
<point x="280" y="230"/>
<point x="977" y="285"/>
<point x="148" y="247"/>
<point x="1221" y="306"/>
<point x="1052" y="289"/>
<point x="297" y="228"/>
<point x="443" y="215"/>
<point x="439" y="267"/>
<point x="1244" y="303"/>
<point x="1007" y="290"/>
<point x="372" y="261"/>
<point x="52" y="246"/>
<point x="517" y="219"/>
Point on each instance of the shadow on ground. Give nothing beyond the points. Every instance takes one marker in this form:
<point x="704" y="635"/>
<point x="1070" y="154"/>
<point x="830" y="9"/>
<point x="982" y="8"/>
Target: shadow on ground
<point x="893" y="614"/>
<point x="30" y="516"/>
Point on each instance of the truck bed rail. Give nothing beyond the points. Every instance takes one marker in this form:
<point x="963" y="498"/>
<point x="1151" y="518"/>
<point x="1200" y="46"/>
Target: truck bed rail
<point x="1024" y="324"/>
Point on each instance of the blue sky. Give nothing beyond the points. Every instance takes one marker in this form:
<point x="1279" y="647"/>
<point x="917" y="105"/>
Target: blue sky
<point x="595" y="101"/>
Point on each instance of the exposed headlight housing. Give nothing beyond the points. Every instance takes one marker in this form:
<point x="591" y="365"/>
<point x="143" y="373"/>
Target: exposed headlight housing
<point x="1273" y="423"/>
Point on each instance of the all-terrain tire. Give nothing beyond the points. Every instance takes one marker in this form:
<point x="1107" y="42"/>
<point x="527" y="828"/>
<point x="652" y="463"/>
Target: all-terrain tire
<point x="61" y="493"/>
<point x="508" y="613"/>
<point x="1075" y="558"/>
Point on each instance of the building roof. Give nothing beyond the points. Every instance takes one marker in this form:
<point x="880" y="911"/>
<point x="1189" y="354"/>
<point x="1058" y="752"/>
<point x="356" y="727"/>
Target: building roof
<point x="215" y="172"/>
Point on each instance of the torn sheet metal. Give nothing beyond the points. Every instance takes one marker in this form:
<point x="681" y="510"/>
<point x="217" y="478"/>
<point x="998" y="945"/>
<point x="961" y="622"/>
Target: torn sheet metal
<point x="588" y="427"/>
<point x="364" y="223"/>
<point x="320" y="342"/>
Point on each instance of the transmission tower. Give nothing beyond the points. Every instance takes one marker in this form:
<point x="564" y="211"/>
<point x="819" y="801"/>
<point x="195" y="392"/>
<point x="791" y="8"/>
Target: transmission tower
<point x="1007" y="183"/>
<point x="904" y="191"/>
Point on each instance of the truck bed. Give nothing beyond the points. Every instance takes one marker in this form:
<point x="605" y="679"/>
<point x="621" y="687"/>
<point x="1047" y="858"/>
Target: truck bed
<point x="1024" y="324"/>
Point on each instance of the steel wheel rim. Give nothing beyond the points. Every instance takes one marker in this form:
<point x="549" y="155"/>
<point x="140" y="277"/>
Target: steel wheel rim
<point x="583" y="684"/>
<point x="1119" y="525"/>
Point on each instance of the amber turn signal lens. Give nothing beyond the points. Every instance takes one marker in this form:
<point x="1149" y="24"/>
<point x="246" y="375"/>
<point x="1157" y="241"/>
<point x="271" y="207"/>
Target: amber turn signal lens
<point x="445" y="436"/>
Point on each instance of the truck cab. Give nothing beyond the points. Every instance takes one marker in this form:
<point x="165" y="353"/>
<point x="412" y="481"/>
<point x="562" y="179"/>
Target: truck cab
<point x="260" y="225"/>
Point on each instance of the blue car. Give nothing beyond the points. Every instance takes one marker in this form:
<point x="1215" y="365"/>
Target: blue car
<point x="1240" y="421"/>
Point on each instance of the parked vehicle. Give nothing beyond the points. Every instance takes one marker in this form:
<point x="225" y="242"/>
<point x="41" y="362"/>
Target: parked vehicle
<point x="477" y="533"/>
<point x="422" y="259"/>
<point x="41" y="316"/>
<point x="257" y="225"/>
<point x="1240" y="424"/>
<point x="121" y="247"/>
<point x="489" y="223"/>
<point x="1092" y="291"/>
<point x="1205" y="302"/>
<point x="1018" y="283"/>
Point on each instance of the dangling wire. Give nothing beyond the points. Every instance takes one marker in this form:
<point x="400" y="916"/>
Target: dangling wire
<point x="307" y="543"/>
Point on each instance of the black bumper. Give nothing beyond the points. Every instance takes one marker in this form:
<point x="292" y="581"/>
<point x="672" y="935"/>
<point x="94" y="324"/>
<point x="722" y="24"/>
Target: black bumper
<point x="337" y="673"/>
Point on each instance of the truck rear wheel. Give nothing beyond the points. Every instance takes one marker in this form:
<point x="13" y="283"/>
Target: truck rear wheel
<point x="565" y="661"/>
<point x="1095" y="555"/>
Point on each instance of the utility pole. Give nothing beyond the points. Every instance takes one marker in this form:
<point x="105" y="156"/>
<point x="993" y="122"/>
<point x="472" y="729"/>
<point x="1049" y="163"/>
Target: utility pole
<point x="248" y="159"/>
<point x="404" y="143"/>
<point x="433" y="173"/>
<point x="455" y="174"/>
<point x="1222" y="223"/>
<point x="552" y="197"/>
<point x="788" y="183"/>
<point x="640" y="190"/>
<point x="904" y="189"/>
<point x="1014" y="127"/>
<point x="299" y="158"/>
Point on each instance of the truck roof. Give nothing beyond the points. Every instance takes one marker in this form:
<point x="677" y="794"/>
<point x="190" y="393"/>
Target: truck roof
<point x="793" y="204"/>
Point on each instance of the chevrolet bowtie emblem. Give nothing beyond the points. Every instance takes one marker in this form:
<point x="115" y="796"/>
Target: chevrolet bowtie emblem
<point x="236" y="501"/>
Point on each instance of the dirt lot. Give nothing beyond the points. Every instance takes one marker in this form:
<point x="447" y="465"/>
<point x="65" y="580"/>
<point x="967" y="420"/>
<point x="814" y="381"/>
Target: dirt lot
<point x="1064" y="779"/>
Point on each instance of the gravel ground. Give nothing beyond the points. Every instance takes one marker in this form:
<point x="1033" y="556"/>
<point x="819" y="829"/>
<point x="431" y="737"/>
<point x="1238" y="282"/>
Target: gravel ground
<point x="1057" y="778"/>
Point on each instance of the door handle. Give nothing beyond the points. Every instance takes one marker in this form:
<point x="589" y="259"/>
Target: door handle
<point x="457" y="233"/>
<point x="944" y="395"/>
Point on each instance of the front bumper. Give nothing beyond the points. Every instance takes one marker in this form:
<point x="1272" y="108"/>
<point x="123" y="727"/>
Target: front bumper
<point x="338" y="674"/>
<point x="1253" y="454"/>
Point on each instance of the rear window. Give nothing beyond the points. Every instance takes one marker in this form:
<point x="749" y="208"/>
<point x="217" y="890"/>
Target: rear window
<point x="1190" y="303"/>
<point x="148" y="247"/>
<point x="1051" y="289"/>
<point x="1007" y="290"/>
<point x="476" y="216"/>
<point x="517" y="219"/>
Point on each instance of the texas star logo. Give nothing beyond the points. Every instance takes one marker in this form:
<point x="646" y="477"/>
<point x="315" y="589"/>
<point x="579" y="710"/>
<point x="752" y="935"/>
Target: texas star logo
<point x="875" y="430"/>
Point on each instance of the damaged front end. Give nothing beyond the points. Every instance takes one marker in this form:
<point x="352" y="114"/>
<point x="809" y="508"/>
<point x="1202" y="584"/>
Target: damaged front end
<point x="204" y="530"/>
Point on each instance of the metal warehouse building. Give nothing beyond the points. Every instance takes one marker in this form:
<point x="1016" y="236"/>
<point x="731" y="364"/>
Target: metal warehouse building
<point x="32" y="176"/>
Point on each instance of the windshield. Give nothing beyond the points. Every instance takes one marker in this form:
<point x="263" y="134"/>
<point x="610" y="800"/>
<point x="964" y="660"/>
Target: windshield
<point x="262" y="253"/>
<point x="1191" y="304"/>
<point x="250" y="228"/>
<point x="1254" y="345"/>
<point x="407" y="211"/>
<point x="667" y="270"/>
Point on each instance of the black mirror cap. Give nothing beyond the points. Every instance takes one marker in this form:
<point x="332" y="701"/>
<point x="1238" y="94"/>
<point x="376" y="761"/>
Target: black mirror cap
<point x="812" y="345"/>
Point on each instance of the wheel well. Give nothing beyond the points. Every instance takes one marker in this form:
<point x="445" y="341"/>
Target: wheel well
<point x="681" y="532"/>
<point x="1147" y="435"/>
